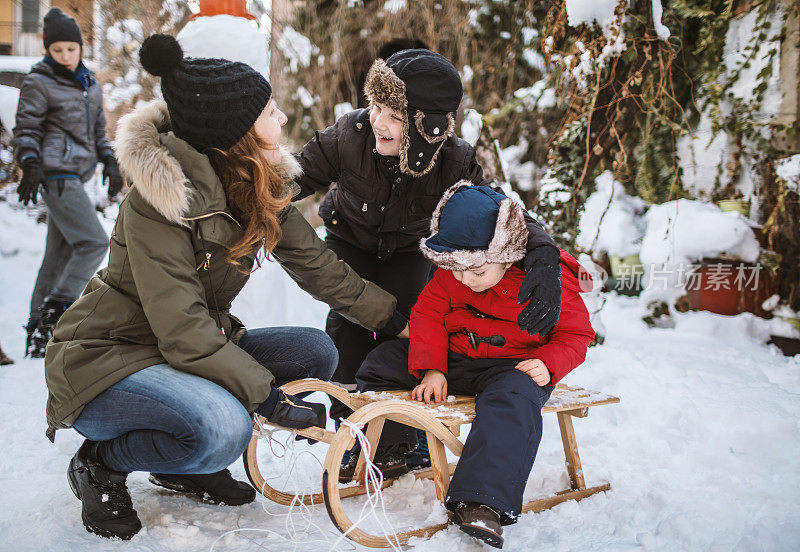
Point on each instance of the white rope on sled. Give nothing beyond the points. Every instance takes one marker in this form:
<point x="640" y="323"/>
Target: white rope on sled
<point x="298" y="536"/>
<point x="373" y="483"/>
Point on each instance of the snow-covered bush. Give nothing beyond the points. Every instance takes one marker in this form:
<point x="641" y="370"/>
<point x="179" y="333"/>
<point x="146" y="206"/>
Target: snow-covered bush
<point x="612" y="221"/>
<point x="687" y="231"/>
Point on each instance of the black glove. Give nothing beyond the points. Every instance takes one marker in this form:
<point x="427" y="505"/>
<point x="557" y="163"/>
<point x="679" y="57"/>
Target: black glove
<point x="32" y="177"/>
<point x="542" y="287"/>
<point x="112" y="176"/>
<point x="291" y="412"/>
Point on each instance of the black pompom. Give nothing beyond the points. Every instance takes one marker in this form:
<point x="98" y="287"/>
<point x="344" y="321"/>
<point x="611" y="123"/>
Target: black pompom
<point x="160" y="54"/>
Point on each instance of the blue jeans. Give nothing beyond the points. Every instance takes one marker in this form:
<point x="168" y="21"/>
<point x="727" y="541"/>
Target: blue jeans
<point x="167" y="421"/>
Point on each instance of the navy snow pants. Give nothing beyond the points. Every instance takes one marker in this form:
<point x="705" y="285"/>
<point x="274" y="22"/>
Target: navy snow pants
<point x="505" y="435"/>
<point x="403" y="275"/>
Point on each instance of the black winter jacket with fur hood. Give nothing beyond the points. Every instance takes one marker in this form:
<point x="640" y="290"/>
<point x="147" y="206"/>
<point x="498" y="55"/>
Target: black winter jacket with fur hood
<point x="373" y="205"/>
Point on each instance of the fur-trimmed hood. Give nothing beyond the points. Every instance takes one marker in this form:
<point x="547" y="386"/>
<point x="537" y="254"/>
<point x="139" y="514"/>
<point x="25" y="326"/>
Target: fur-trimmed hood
<point x="172" y="176"/>
<point x="459" y="246"/>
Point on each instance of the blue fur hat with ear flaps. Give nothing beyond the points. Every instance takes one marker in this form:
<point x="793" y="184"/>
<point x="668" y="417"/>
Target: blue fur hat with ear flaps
<point x="473" y="225"/>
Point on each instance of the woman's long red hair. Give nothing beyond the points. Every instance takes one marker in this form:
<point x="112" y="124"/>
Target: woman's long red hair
<point x="256" y="192"/>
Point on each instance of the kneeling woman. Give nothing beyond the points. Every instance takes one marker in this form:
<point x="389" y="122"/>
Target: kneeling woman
<point x="148" y="364"/>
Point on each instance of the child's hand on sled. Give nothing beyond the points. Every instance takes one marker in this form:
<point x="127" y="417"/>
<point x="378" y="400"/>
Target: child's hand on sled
<point x="433" y="387"/>
<point x="536" y="369"/>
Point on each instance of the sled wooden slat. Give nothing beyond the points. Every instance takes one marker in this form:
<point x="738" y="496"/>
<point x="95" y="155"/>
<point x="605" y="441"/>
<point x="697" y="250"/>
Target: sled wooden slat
<point x="441" y="476"/>
<point x="373" y="435"/>
<point x="442" y="425"/>
<point x="573" y="459"/>
<point x="461" y="410"/>
<point x="316" y="433"/>
<point x="579" y="413"/>
<point x="540" y="504"/>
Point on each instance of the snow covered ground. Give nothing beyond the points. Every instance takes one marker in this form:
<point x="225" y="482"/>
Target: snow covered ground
<point x="703" y="452"/>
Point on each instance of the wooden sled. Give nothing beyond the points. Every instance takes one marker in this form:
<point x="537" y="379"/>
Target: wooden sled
<point x="442" y="423"/>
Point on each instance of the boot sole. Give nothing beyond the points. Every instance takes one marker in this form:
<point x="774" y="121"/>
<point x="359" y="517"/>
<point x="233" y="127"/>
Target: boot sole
<point x="483" y="534"/>
<point x="73" y="485"/>
<point x="203" y="495"/>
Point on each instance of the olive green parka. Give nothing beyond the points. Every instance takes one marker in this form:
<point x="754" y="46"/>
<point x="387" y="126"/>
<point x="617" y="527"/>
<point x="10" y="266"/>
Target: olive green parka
<point x="166" y="293"/>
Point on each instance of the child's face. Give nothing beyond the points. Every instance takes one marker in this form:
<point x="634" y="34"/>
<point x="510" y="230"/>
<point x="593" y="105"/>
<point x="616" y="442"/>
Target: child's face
<point x="483" y="277"/>
<point x="66" y="53"/>
<point x="387" y="124"/>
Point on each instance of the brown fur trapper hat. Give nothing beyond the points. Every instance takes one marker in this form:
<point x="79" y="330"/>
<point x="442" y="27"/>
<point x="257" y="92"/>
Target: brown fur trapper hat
<point x="425" y="87"/>
<point x="473" y="225"/>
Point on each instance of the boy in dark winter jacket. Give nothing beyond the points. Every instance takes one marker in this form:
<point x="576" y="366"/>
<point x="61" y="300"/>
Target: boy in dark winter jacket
<point x="465" y="340"/>
<point x="59" y="137"/>
<point x="391" y="164"/>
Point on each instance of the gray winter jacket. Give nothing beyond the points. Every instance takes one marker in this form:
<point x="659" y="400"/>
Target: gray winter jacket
<point x="60" y="123"/>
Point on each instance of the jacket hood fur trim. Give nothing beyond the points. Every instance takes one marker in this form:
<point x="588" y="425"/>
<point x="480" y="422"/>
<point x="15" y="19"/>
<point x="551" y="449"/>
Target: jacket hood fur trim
<point x="508" y="245"/>
<point x="155" y="172"/>
<point x="383" y="86"/>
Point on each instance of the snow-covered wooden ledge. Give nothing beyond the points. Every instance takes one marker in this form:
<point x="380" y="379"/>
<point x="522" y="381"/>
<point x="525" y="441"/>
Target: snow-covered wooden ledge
<point x="442" y="424"/>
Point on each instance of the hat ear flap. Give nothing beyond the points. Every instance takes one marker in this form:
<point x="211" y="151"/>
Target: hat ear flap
<point x="405" y="145"/>
<point x="451" y="126"/>
<point x="510" y="240"/>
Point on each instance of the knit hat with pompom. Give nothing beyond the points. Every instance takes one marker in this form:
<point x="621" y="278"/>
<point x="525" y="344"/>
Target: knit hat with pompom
<point x="212" y="102"/>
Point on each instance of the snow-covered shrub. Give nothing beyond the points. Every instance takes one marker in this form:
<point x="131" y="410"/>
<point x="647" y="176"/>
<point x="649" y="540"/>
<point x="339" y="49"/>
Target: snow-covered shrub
<point x="612" y="221"/>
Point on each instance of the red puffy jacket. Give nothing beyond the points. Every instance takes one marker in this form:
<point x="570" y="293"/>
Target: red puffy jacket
<point x="447" y="311"/>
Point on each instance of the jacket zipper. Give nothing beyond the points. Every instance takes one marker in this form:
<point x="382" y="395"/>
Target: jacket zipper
<point x="205" y="264"/>
<point x="86" y="103"/>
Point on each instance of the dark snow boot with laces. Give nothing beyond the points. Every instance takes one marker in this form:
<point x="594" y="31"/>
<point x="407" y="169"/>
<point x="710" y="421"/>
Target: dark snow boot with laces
<point x="390" y="459"/>
<point x="41" y="330"/>
<point x="107" y="509"/>
<point x="420" y="457"/>
<point x="217" y="488"/>
<point x="34" y="344"/>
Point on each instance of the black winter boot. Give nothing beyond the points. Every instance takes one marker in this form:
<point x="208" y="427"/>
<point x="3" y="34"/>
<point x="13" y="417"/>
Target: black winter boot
<point x="217" y="488"/>
<point x="349" y="461"/>
<point x="34" y="347"/>
<point x="390" y="459"/>
<point x="420" y="457"/>
<point x="107" y="508"/>
<point x="51" y="310"/>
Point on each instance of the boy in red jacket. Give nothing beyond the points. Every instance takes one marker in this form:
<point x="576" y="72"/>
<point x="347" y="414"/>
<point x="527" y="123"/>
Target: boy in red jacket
<point x="465" y="338"/>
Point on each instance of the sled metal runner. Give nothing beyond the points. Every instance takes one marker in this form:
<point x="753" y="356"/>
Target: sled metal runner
<point x="442" y="423"/>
